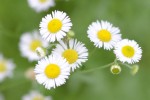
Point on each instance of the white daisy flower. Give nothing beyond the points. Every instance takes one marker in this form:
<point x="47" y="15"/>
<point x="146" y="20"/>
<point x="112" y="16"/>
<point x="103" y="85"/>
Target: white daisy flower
<point x="29" y="42"/>
<point x="52" y="71"/>
<point x="35" y="95"/>
<point x="74" y="52"/>
<point x="104" y="34"/>
<point x="128" y="51"/>
<point x="55" y="26"/>
<point x="6" y="68"/>
<point x="41" y="5"/>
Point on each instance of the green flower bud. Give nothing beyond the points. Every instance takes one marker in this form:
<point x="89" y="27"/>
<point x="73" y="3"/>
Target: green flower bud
<point x="70" y="34"/>
<point x="115" y="69"/>
<point x="134" y="69"/>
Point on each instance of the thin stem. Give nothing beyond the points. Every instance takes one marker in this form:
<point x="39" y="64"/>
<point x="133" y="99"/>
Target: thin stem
<point x="97" y="68"/>
<point x="127" y="65"/>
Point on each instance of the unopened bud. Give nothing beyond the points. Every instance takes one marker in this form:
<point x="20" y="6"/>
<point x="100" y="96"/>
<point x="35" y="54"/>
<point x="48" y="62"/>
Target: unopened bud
<point x="70" y="34"/>
<point x="29" y="74"/>
<point x="134" y="69"/>
<point x="115" y="69"/>
<point x="40" y="52"/>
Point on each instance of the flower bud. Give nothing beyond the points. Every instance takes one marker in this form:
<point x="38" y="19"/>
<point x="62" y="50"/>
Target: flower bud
<point x="115" y="69"/>
<point x="29" y="74"/>
<point x="134" y="69"/>
<point x="40" y="52"/>
<point x="70" y="34"/>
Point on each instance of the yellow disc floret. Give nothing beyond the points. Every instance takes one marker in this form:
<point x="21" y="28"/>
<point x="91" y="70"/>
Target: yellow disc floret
<point x="128" y="51"/>
<point x="104" y="35"/>
<point x="42" y="1"/>
<point x="38" y="97"/>
<point x="70" y="55"/>
<point x="34" y="44"/>
<point x="2" y="66"/>
<point x="52" y="71"/>
<point x="54" y="26"/>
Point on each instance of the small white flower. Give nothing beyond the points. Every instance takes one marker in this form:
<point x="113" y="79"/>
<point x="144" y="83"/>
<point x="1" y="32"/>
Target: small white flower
<point x="29" y="43"/>
<point x="55" y="26"/>
<point x="104" y="34"/>
<point x="128" y="51"/>
<point x="74" y="52"/>
<point x="6" y="68"/>
<point x="52" y="71"/>
<point x="41" y="5"/>
<point x="35" y="95"/>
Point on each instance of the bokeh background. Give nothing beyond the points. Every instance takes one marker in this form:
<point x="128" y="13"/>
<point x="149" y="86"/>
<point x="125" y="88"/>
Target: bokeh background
<point x="133" y="18"/>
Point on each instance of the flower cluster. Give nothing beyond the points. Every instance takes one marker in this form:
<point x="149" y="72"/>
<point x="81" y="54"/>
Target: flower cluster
<point x="105" y="35"/>
<point x="59" y="54"/>
<point x="68" y="54"/>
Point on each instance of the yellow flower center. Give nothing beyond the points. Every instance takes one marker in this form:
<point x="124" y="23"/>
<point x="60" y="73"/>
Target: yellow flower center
<point x="38" y="98"/>
<point x="128" y="51"/>
<point x="34" y="44"/>
<point x="42" y="1"/>
<point x="54" y="25"/>
<point x="52" y="71"/>
<point x="3" y="67"/>
<point x="104" y="35"/>
<point x="70" y="55"/>
<point x="115" y="70"/>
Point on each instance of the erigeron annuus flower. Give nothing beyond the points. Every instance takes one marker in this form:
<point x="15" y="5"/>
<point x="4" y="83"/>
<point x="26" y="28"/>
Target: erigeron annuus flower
<point x="74" y="52"/>
<point x="6" y="68"/>
<point x="128" y="51"/>
<point x="55" y="26"/>
<point x="52" y="71"/>
<point x="29" y="42"/>
<point x="104" y="34"/>
<point x="41" y="5"/>
<point x="35" y="95"/>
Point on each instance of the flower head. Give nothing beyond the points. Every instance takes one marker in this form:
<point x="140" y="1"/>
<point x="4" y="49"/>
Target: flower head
<point x="35" y="95"/>
<point x="29" y="42"/>
<point x="55" y="26"/>
<point x="6" y="68"/>
<point x="128" y="51"/>
<point x="41" y="5"/>
<point x="104" y="34"/>
<point x="74" y="52"/>
<point x="52" y="71"/>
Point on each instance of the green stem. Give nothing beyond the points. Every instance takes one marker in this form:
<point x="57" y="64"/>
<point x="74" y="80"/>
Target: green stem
<point x="127" y="65"/>
<point x="97" y="68"/>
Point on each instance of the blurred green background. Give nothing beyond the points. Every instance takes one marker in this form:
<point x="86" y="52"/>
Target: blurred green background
<point x="133" y="18"/>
